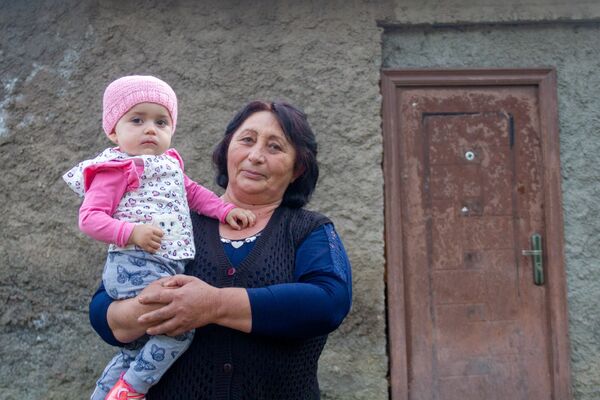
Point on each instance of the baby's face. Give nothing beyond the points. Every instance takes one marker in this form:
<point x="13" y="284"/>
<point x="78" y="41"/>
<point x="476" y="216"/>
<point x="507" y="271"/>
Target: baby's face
<point x="146" y="129"/>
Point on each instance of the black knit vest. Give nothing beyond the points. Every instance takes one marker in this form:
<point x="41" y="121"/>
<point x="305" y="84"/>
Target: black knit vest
<point x="222" y="363"/>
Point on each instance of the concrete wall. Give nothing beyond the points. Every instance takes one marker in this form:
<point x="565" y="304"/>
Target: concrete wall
<point x="56" y="57"/>
<point x="469" y="11"/>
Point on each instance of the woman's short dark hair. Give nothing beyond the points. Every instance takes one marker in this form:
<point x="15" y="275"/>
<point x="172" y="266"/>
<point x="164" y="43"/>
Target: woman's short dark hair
<point x="295" y="126"/>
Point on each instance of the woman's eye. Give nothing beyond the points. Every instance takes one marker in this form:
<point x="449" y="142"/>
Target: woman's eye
<point x="275" y="147"/>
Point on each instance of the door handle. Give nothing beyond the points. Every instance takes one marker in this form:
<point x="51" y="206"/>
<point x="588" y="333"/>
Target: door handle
<point x="536" y="254"/>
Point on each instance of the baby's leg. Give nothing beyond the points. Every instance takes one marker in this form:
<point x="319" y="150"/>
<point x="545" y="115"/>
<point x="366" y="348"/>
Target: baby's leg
<point x="125" y="274"/>
<point x="119" y="364"/>
<point x="155" y="358"/>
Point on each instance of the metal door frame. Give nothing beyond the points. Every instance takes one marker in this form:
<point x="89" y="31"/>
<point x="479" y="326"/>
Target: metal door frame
<point x="545" y="81"/>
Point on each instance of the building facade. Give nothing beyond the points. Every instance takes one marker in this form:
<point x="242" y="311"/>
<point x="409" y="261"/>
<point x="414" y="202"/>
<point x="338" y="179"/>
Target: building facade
<point x="327" y="57"/>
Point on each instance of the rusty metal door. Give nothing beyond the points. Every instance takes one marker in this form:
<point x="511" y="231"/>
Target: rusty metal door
<point x="476" y="286"/>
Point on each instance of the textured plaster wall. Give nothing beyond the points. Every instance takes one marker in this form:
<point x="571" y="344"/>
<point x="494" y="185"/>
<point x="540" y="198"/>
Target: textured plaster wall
<point x="56" y="57"/>
<point x="451" y="11"/>
<point x="574" y="51"/>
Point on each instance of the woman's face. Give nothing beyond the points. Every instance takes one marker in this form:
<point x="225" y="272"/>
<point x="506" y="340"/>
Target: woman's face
<point x="260" y="160"/>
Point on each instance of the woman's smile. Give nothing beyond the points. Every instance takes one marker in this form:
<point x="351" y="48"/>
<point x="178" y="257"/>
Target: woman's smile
<point x="250" y="174"/>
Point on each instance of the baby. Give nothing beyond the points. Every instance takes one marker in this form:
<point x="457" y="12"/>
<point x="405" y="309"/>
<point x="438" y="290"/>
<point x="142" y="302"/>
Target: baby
<point x="138" y="199"/>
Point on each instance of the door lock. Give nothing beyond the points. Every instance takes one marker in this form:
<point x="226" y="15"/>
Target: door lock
<point x="536" y="254"/>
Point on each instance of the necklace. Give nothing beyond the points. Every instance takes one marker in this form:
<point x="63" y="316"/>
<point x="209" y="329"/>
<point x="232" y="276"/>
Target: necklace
<point x="236" y="244"/>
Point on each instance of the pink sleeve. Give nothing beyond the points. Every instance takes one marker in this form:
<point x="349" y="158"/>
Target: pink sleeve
<point x="205" y="202"/>
<point x="104" y="190"/>
<point x="200" y="199"/>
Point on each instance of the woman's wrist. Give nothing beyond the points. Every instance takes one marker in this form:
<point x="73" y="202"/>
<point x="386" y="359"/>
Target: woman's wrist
<point x="232" y="309"/>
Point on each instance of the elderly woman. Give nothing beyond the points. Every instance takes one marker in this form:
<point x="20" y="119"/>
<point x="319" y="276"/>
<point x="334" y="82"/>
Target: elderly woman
<point x="262" y="299"/>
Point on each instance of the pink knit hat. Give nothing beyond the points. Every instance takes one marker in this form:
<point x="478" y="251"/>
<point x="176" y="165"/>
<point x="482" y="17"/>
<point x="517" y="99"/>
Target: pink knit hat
<point x="125" y="93"/>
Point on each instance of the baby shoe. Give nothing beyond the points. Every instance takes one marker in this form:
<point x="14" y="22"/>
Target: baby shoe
<point x="123" y="391"/>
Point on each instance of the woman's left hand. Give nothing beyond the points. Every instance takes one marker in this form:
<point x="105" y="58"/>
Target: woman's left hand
<point x="192" y="303"/>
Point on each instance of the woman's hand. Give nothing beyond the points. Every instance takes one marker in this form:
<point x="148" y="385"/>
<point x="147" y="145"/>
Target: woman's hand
<point x="192" y="303"/>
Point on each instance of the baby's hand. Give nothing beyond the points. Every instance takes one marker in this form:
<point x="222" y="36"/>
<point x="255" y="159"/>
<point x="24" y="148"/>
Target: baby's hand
<point x="240" y="218"/>
<point x="148" y="237"/>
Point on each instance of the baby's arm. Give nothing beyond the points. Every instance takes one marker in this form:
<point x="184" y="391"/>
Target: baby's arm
<point x="207" y="203"/>
<point x="99" y="204"/>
